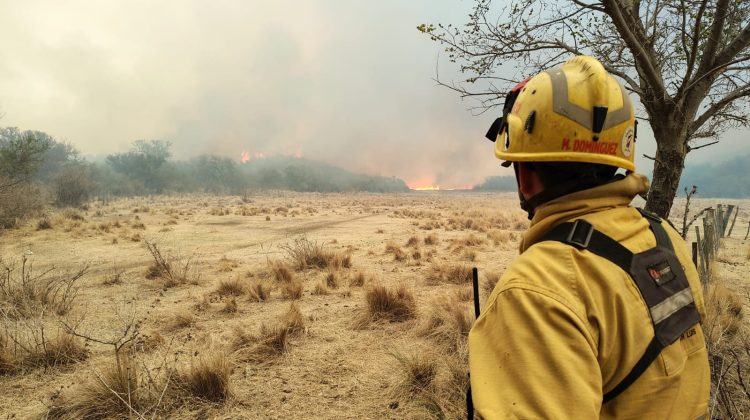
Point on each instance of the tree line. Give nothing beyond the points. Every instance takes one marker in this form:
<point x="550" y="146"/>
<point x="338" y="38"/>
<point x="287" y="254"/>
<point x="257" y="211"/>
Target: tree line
<point x="36" y="168"/>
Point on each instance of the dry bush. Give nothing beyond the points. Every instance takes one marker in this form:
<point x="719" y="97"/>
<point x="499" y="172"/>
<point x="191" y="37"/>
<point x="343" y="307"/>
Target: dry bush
<point x="25" y="293"/>
<point x="499" y="237"/>
<point x="448" y="323"/>
<point x="465" y="293"/>
<point x="18" y="202"/>
<point x="385" y="304"/>
<point x="207" y="378"/>
<point x="320" y="288"/>
<point x="728" y="340"/>
<point x="469" y="240"/>
<point x="26" y="345"/>
<point x="259" y="291"/>
<point x="448" y="273"/>
<point x="171" y="269"/>
<point x="231" y="287"/>
<point x="305" y="254"/>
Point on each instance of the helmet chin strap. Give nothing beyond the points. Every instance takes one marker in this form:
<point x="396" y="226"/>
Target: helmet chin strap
<point x="564" y="188"/>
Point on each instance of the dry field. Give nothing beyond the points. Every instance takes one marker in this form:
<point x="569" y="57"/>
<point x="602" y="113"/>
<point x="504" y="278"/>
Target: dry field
<point x="281" y="305"/>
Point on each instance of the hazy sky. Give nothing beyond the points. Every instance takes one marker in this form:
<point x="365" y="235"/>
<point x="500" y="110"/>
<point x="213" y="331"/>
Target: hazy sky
<point x="345" y="82"/>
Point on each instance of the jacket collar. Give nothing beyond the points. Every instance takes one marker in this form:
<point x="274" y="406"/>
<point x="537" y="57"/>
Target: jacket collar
<point x="614" y="194"/>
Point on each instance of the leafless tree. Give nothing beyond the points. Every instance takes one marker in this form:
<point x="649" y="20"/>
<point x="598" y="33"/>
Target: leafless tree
<point x="686" y="60"/>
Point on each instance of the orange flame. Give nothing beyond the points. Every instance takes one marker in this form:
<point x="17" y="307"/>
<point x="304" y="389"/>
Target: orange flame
<point x="245" y="157"/>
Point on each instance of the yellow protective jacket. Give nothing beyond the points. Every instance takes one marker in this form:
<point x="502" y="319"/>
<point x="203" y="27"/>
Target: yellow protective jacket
<point x="563" y="326"/>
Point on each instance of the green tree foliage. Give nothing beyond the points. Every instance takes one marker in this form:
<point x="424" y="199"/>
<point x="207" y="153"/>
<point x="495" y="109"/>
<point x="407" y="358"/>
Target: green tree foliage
<point x="21" y="153"/>
<point x="143" y="163"/>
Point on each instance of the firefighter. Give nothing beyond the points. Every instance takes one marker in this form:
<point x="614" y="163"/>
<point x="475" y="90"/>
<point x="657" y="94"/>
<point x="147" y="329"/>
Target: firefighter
<point x="599" y="315"/>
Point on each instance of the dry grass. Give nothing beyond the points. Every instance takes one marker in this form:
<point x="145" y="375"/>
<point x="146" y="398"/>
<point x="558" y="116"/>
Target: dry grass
<point x="230" y="306"/>
<point x="431" y="239"/>
<point x="171" y="269"/>
<point x="332" y="280"/>
<point x="114" y="392"/>
<point x="271" y="341"/>
<point x="447" y="323"/>
<point x="181" y="319"/>
<point x="357" y="279"/>
<point x="490" y="280"/>
<point x="227" y="264"/>
<point x="292" y="289"/>
<point x="207" y="378"/>
<point x="448" y="273"/>
<point x="320" y="288"/>
<point x="386" y="304"/>
<point x="259" y="291"/>
<point x="412" y="242"/>
<point x="728" y="341"/>
<point x="418" y="370"/>
<point x="25" y="349"/>
<point x="395" y="250"/>
<point x="231" y="287"/>
<point x="305" y="254"/>
<point x="281" y="271"/>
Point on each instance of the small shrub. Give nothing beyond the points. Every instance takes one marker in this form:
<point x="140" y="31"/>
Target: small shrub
<point x="305" y="254"/>
<point x="230" y="306"/>
<point x="332" y="280"/>
<point x="180" y="320"/>
<point x="447" y="323"/>
<point x="412" y="242"/>
<point x="392" y="248"/>
<point x="271" y="341"/>
<point x="227" y="264"/>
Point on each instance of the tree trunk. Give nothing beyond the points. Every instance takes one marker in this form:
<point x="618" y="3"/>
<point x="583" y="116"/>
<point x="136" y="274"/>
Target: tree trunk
<point x="670" y="160"/>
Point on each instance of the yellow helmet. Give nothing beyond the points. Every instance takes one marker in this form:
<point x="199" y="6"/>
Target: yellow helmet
<point x="576" y="112"/>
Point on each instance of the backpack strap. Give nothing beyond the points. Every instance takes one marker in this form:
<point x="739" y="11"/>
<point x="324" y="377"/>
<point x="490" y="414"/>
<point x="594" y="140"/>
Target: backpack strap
<point x="658" y="275"/>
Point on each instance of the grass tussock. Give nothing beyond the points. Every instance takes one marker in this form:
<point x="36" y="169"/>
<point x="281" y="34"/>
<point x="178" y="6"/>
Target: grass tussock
<point x="43" y="224"/>
<point x="272" y="340"/>
<point x="231" y="287"/>
<point x="447" y="323"/>
<point x="281" y="271"/>
<point x="226" y="265"/>
<point x="259" y="291"/>
<point x="395" y="250"/>
<point x="230" y="306"/>
<point x="21" y="351"/>
<point x="728" y="341"/>
<point x="431" y="239"/>
<point x="448" y="273"/>
<point x="320" y="288"/>
<point x="490" y="280"/>
<point x="180" y="320"/>
<point x="304" y="253"/>
<point x="332" y="280"/>
<point x="207" y="378"/>
<point x="292" y="290"/>
<point x="357" y="279"/>
<point x="412" y="242"/>
<point x="387" y="304"/>
<point x="418" y="372"/>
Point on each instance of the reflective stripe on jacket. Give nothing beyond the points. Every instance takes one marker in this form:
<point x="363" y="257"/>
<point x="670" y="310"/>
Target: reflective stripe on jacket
<point x="564" y="326"/>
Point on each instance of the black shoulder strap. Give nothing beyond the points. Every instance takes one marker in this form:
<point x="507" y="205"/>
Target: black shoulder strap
<point x="582" y="235"/>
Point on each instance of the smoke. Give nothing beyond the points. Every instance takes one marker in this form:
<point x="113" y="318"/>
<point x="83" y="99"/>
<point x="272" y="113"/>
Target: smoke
<point x="346" y="83"/>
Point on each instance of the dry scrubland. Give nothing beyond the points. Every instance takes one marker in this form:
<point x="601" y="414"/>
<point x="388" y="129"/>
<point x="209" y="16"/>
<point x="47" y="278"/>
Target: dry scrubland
<point x="280" y="305"/>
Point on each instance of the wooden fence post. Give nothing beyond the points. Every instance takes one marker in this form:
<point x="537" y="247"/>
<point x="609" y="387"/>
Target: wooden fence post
<point x="734" y="219"/>
<point x="701" y="245"/>
<point x="725" y="222"/>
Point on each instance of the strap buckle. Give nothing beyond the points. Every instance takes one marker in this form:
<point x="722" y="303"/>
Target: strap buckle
<point x="580" y="234"/>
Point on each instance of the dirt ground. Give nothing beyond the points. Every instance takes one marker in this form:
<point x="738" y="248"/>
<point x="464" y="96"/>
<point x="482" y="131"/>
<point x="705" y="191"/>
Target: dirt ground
<point x="334" y="368"/>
